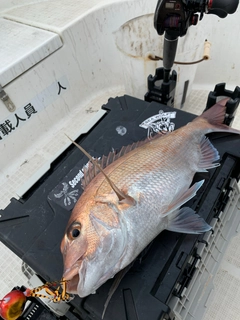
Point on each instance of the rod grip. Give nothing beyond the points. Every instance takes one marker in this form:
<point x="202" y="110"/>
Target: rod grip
<point x="206" y="53"/>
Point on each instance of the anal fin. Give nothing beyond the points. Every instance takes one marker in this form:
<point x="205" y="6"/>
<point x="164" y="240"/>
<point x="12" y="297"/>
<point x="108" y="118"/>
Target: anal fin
<point x="186" y="220"/>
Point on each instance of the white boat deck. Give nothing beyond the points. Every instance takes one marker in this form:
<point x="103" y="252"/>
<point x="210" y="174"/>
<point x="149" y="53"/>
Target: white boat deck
<point x="76" y="44"/>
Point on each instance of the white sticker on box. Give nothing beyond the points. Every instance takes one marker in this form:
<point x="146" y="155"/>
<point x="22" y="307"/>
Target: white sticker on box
<point x="159" y="123"/>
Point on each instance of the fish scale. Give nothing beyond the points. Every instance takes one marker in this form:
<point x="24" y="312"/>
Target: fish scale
<point x="122" y="175"/>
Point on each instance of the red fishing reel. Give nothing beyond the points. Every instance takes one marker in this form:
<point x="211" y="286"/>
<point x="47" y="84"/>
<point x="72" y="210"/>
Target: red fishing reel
<point x="13" y="304"/>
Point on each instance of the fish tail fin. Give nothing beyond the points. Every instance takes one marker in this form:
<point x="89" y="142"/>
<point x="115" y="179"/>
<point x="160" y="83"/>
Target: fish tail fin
<point x="213" y="118"/>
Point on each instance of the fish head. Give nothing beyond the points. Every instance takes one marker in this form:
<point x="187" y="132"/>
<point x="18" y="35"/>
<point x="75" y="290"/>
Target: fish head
<point x="92" y="247"/>
<point x="73" y="247"/>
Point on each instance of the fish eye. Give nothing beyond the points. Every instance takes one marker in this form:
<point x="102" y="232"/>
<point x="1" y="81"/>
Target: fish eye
<point x="74" y="231"/>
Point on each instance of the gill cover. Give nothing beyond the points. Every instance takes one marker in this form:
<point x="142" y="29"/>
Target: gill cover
<point x="111" y="245"/>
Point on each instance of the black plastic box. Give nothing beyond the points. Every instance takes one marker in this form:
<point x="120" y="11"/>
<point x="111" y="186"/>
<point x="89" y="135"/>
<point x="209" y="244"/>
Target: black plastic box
<point x="33" y="226"/>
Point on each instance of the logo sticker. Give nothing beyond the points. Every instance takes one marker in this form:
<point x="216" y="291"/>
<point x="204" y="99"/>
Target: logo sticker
<point x="160" y="122"/>
<point x="121" y="130"/>
<point x="68" y="191"/>
<point x="68" y="196"/>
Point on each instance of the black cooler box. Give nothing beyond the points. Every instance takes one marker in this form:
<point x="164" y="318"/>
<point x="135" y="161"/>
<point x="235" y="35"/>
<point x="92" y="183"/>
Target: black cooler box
<point x="33" y="226"/>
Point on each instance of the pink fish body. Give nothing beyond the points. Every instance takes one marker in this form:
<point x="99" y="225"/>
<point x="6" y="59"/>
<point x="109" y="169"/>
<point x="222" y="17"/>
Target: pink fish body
<point x="107" y="231"/>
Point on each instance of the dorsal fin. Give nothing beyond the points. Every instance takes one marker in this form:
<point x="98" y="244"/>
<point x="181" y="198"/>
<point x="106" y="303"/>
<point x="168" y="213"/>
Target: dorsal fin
<point x="123" y="198"/>
<point x="91" y="171"/>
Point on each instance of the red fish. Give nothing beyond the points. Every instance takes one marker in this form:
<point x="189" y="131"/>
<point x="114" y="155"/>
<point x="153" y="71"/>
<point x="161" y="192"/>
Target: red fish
<point x="127" y="203"/>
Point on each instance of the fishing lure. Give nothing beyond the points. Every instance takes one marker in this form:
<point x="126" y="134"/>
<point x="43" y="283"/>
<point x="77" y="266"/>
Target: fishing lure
<point x="12" y="305"/>
<point x="56" y="291"/>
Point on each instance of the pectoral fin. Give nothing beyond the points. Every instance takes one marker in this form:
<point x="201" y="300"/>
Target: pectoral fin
<point x="186" y="220"/>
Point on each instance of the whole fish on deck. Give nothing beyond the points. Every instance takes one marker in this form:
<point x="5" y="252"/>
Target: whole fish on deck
<point x="138" y="195"/>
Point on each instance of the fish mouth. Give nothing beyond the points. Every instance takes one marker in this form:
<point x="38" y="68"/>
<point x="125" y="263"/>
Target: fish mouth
<point x="71" y="275"/>
<point x="72" y="284"/>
